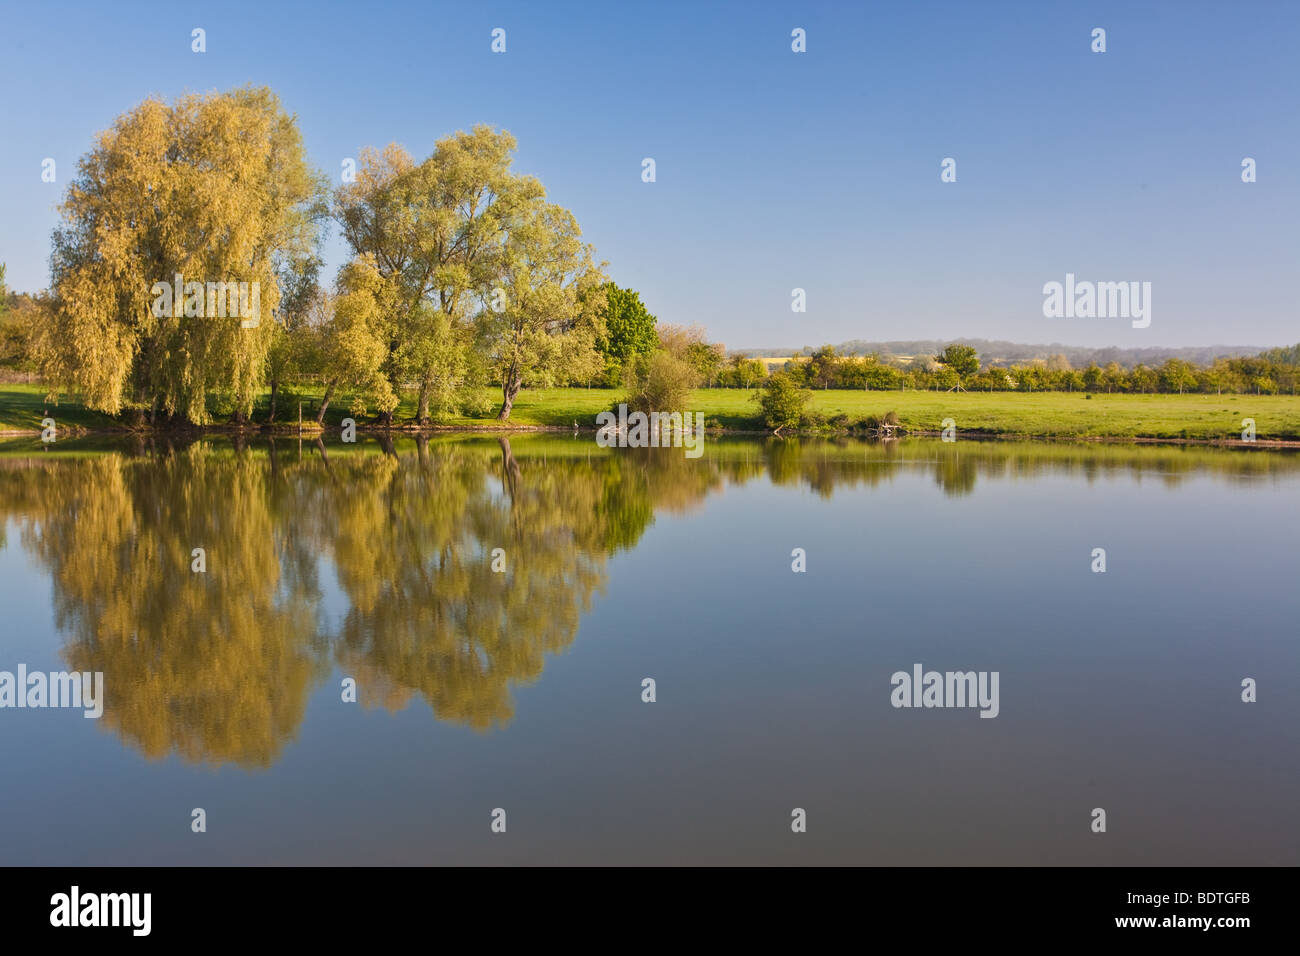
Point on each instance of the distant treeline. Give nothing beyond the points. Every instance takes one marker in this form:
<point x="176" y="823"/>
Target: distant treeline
<point x="1276" y="371"/>
<point x="1000" y="352"/>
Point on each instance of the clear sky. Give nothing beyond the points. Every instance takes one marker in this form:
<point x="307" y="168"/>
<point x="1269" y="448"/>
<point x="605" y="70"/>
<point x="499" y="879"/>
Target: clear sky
<point x="775" y="170"/>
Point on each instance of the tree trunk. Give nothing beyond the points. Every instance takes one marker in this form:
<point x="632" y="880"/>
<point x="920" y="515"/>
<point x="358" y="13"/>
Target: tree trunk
<point x="275" y="389"/>
<point x="509" y="391"/>
<point x="325" y="402"/>
<point x="422" y="404"/>
<point x="509" y="469"/>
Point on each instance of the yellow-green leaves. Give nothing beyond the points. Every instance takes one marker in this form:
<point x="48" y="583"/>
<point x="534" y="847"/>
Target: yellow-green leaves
<point x="214" y="189"/>
<point x="481" y="273"/>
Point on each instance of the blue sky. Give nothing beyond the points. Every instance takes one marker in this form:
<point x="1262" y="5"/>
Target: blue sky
<point x="775" y="170"/>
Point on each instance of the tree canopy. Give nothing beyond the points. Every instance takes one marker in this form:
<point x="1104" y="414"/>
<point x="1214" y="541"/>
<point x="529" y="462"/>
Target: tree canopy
<point x="629" y="331"/>
<point x="478" y="273"/>
<point x="213" y="189"/>
<point x="962" y="359"/>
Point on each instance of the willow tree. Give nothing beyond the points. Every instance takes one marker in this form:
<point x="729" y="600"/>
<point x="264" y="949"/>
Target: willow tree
<point x="542" y="320"/>
<point x="350" y="332"/>
<point x="214" y="189"/>
<point x="472" y="250"/>
<point x="430" y="229"/>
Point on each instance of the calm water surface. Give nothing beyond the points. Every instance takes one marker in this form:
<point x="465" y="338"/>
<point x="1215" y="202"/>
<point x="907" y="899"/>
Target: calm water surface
<point x="522" y="690"/>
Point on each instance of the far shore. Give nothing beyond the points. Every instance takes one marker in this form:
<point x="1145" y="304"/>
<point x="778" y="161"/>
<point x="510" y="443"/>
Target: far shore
<point x="1192" y="419"/>
<point x="277" y="431"/>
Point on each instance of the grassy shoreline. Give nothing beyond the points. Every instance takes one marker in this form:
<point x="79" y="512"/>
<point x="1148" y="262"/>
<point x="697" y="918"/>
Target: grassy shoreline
<point x="1055" y="415"/>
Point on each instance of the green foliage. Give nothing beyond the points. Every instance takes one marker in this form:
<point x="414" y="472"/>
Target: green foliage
<point x="821" y="368"/>
<point x="215" y="188"/>
<point x="659" y="382"/>
<point x="477" y="274"/>
<point x="1282" y="356"/>
<point x="962" y="359"/>
<point x="545" y="333"/>
<point x="629" y="331"/>
<point x="689" y="345"/>
<point x="1177" y="375"/>
<point x="782" y="402"/>
<point x="14" y="350"/>
<point x="706" y="358"/>
<point x="1268" y="373"/>
<point x="742" y="372"/>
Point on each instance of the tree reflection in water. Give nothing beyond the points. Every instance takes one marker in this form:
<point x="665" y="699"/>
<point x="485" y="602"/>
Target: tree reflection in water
<point x="218" y="667"/>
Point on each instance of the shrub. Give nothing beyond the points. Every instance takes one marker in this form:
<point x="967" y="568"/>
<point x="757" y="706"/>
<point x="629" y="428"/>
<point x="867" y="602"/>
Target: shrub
<point x="659" y="382"/>
<point x="782" y="402"/>
<point x="813" y="420"/>
<point x="876" y="422"/>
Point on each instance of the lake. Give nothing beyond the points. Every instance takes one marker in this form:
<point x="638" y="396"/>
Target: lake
<point x="499" y="604"/>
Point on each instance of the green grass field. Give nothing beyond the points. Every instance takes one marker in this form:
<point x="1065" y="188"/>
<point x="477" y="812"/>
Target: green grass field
<point x="1039" y="414"/>
<point x="1072" y="415"/>
<point x="1042" y="414"/>
<point x="23" y="406"/>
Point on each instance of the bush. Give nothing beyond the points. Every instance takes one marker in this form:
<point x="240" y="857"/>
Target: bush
<point x="782" y="401"/>
<point x="659" y="382"/>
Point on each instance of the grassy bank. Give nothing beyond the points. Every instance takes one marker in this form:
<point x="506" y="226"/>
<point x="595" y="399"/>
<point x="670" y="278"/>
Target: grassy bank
<point x="1038" y="414"/>
<point x="23" y="406"/>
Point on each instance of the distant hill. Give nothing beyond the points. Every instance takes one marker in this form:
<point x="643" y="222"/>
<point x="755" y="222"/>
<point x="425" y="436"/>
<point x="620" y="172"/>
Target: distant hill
<point x="1007" y="353"/>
